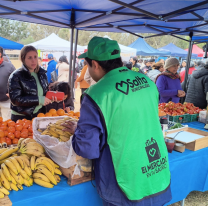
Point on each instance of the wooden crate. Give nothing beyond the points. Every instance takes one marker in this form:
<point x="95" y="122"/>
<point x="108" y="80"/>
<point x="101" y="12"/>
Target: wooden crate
<point x="197" y="144"/>
<point x="5" y="201"/>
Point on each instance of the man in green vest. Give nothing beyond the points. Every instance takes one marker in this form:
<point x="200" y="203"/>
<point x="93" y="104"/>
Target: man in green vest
<point x="119" y="128"/>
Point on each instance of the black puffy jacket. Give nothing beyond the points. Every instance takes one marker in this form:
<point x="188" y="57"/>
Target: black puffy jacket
<point x="198" y="88"/>
<point x="23" y="90"/>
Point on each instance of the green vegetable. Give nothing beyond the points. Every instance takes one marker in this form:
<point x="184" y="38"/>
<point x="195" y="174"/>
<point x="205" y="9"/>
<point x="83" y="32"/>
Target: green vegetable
<point x="177" y="125"/>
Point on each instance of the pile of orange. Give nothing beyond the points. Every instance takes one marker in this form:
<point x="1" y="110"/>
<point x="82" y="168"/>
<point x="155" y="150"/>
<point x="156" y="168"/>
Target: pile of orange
<point x="11" y="132"/>
<point x="59" y="112"/>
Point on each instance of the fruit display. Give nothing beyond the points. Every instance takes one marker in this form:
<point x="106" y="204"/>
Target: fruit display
<point x="26" y="164"/>
<point x="11" y="132"/>
<point x="56" y="129"/>
<point x="175" y="109"/>
<point x="59" y="112"/>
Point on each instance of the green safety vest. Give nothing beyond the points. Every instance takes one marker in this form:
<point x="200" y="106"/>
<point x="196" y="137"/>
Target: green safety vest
<point x="128" y="104"/>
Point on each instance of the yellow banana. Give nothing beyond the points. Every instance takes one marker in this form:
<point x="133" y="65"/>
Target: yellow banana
<point x="19" y="142"/>
<point x="8" y="152"/>
<point x="18" y="178"/>
<point x="1" y="195"/>
<point x="26" y="183"/>
<point x="24" y="175"/>
<point x="4" y="181"/>
<point x="3" y="150"/>
<point x="47" y="173"/>
<point x="35" y="145"/>
<point x="2" y="161"/>
<point x="20" y="161"/>
<point x="16" y="164"/>
<point x="51" y="162"/>
<point x="43" y="183"/>
<point x="69" y="134"/>
<point x="45" y="132"/>
<point x="57" y="171"/>
<point x="20" y="186"/>
<point x="26" y="141"/>
<point x="46" y="163"/>
<point x="32" y="163"/>
<point x="63" y="138"/>
<point x="11" y="166"/>
<point x="58" y="179"/>
<point x="42" y="155"/>
<point x="28" y="171"/>
<point x="25" y="155"/>
<point x="31" y="181"/>
<point x="6" y="172"/>
<point x="52" y="133"/>
<point x="40" y="176"/>
<point x="33" y="152"/>
<point x="59" y="126"/>
<point x="4" y="190"/>
<point x="13" y="180"/>
<point x="27" y="162"/>
<point x="14" y="187"/>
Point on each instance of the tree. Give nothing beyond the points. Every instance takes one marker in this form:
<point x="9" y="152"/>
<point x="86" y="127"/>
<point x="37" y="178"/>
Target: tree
<point x="64" y="34"/>
<point x="28" y="40"/>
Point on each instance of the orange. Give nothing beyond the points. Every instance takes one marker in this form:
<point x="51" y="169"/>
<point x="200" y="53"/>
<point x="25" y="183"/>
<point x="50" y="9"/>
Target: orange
<point x="2" y="133"/>
<point x="18" y="127"/>
<point x="48" y="115"/>
<point x="3" y="127"/>
<point x="52" y="111"/>
<point x="19" y="122"/>
<point x="41" y="115"/>
<point x="25" y="130"/>
<point x="55" y="115"/>
<point x="8" y="141"/>
<point x="26" y="125"/>
<point x="4" y="124"/>
<point x="11" y="124"/>
<point x="6" y="133"/>
<point x="1" y="119"/>
<point x="11" y="129"/>
<point x="24" y="134"/>
<point x="2" y="139"/>
<point x="24" y="120"/>
<point x="61" y="112"/>
<point x="17" y="134"/>
<point x="77" y="114"/>
<point x="15" y="141"/>
<point x="30" y="129"/>
<point x="11" y="135"/>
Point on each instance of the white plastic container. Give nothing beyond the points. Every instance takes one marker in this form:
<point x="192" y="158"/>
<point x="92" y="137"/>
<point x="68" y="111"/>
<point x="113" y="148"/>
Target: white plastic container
<point x="202" y="116"/>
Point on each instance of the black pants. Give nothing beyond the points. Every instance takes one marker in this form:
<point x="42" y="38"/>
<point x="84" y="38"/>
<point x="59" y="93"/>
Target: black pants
<point x="83" y="89"/>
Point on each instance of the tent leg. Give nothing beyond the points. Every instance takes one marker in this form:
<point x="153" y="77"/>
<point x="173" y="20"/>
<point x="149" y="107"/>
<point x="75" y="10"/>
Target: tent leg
<point x="70" y="57"/>
<point x="183" y="202"/>
<point x="74" y="60"/>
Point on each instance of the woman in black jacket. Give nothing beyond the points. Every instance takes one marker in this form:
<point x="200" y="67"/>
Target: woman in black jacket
<point x="28" y="86"/>
<point x="68" y="103"/>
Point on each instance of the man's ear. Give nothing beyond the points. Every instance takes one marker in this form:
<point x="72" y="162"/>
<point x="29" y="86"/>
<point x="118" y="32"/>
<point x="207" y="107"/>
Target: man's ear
<point x="95" y="64"/>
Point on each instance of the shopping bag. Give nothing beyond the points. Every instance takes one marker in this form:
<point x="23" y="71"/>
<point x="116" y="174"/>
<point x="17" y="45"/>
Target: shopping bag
<point x="54" y="76"/>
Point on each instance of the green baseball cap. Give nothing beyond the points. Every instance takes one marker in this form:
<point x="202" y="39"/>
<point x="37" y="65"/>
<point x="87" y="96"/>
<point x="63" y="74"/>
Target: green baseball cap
<point x="100" y="49"/>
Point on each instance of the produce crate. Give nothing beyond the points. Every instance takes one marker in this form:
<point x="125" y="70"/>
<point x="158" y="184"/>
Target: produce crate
<point x="194" y="117"/>
<point x="180" y="118"/>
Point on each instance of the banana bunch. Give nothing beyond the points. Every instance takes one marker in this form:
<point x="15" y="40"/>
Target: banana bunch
<point x="30" y="147"/>
<point x="56" y="130"/>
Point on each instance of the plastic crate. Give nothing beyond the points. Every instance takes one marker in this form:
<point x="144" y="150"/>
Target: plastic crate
<point x="194" y="117"/>
<point x="180" y="118"/>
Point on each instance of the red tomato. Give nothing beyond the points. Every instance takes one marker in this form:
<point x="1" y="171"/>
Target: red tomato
<point x="15" y="141"/>
<point x="8" y="141"/>
<point x="17" y="134"/>
<point x="11" y="135"/>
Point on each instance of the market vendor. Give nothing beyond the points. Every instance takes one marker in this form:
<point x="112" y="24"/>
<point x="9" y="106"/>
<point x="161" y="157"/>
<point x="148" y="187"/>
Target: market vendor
<point x="28" y="86"/>
<point x="120" y="131"/>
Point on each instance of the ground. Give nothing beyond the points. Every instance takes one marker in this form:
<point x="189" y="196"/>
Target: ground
<point x="193" y="199"/>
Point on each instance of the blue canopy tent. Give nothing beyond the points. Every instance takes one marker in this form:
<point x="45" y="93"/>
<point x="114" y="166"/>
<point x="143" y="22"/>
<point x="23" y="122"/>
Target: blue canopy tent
<point x="176" y="51"/>
<point x="8" y="44"/>
<point x="145" y="49"/>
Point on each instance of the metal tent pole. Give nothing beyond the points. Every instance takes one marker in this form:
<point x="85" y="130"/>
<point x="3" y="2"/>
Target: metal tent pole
<point x="74" y="59"/>
<point x="70" y="57"/>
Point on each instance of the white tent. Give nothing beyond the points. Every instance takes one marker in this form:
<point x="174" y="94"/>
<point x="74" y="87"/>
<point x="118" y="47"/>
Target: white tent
<point x="126" y="52"/>
<point x="54" y="43"/>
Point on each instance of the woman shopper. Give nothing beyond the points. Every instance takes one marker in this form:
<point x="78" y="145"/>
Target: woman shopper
<point x="168" y="82"/>
<point x="157" y="69"/>
<point x="28" y="86"/>
<point x="83" y="84"/>
<point x="63" y="69"/>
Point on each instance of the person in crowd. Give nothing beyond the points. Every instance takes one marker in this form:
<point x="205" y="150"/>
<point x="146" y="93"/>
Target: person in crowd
<point x="83" y="84"/>
<point x="127" y="64"/>
<point x="40" y="61"/>
<point x="104" y="120"/>
<point x="162" y="61"/>
<point x="198" y="88"/>
<point x="28" y="86"/>
<point x="88" y="78"/>
<point x="63" y="69"/>
<point x="51" y="67"/>
<point x="135" y="66"/>
<point x="199" y="65"/>
<point x="157" y="69"/>
<point x="147" y="67"/>
<point x="191" y="69"/>
<point x="151" y="61"/>
<point x="6" y="69"/>
<point x="168" y="82"/>
<point x="67" y="102"/>
<point x="182" y="66"/>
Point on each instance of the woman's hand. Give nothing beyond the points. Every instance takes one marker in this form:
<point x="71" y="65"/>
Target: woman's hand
<point x="70" y="126"/>
<point x="181" y="93"/>
<point x="47" y="101"/>
<point x="67" y="109"/>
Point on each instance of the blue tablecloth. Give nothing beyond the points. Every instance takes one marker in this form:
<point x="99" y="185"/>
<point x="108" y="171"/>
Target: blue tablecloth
<point x="189" y="171"/>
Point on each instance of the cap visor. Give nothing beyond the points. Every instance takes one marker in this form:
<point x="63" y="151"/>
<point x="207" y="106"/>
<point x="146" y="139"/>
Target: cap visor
<point x="82" y="55"/>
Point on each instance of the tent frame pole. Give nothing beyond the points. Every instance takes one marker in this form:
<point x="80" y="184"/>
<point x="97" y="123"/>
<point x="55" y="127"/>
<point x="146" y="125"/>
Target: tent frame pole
<point x="74" y="60"/>
<point x="70" y="57"/>
<point x="188" y="60"/>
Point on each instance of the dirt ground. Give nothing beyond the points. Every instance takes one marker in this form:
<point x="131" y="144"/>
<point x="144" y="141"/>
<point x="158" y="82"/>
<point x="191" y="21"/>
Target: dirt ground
<point x="193" y="199"/>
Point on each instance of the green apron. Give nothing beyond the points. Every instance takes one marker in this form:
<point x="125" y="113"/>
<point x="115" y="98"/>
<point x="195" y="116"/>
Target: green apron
<point x="128" y="104"/>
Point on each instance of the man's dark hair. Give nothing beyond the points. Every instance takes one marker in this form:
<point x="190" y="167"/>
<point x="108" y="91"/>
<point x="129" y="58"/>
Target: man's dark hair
<point x="127" y="64"/>
<point x="62" y="87"/>
<point x="135" y="59"/>
<point x="63" y="59"/>
<point x="109" y="64"/>
<point x="1" y="51"/>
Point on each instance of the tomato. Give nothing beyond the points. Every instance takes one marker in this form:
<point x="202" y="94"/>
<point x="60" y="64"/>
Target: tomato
<point x="3" y="127"/>
<point x="19" y="122"/>
<point x="15" y="141"/>
<point x="4" y="124"/>
<point x="24" y="134"/>
<point x="25" y="125"/>
<point x="17" y="134"/>
<point x="11" y="129"/>
<point x="19" y="127"/>
<point x="2" y="133"/>
<point x="1" y="119"/>
<point x="8" y="141"/>
<point x="25" y="130"/>
<point x="2" y="139"/>
<point x="11" y="135"/>
<point x="6" y="133"/>
<point x="11" y="124"/>
<point x="31" y="137"/>
<point x="30" y="129"/>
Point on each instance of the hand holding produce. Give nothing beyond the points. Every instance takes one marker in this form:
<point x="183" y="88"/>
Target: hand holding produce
<point x="70" y="126"/>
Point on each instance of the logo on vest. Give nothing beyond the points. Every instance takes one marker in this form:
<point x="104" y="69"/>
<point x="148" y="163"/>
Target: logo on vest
<point x="156" y="162"/>
<point x="135" y="85"/>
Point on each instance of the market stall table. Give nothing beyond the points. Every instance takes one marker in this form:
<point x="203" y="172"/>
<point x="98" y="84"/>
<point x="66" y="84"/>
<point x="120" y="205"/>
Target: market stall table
<point x="189" y="172"/>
